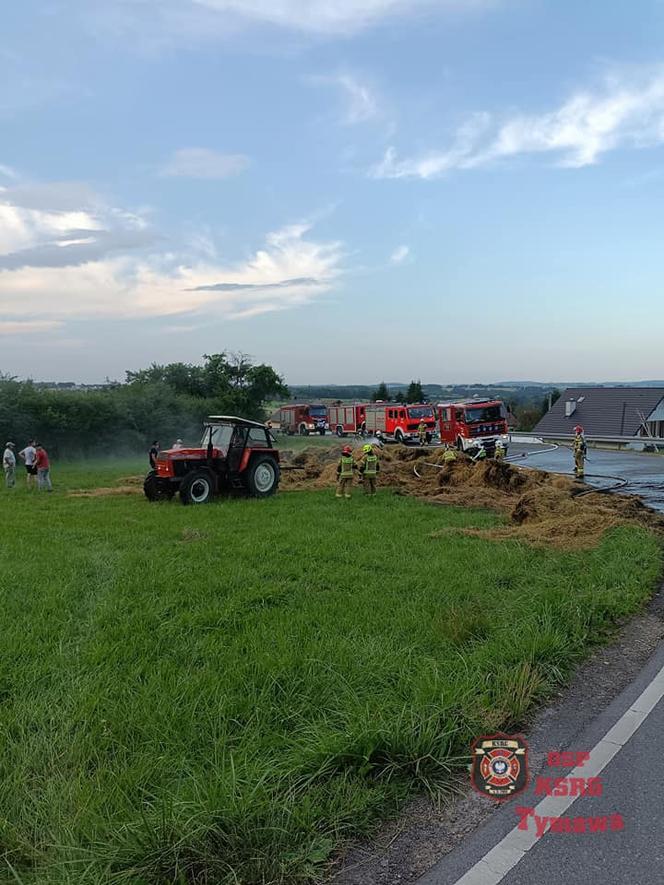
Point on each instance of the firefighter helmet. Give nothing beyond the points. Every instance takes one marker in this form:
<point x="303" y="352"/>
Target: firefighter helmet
<point x="367" y="449"/>
<point x="347" y="450"/>
<point x="578" y="429"/>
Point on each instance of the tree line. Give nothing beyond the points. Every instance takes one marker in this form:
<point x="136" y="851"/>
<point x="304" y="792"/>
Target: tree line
<point x="161" y="402"/>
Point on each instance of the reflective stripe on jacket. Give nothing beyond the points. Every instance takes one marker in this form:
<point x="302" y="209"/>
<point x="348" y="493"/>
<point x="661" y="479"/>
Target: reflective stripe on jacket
<point x="346" y="466"/>
<point x="370" y="465"/>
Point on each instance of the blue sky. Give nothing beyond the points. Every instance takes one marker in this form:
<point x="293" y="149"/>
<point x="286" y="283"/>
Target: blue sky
<point x="456" y="190"/>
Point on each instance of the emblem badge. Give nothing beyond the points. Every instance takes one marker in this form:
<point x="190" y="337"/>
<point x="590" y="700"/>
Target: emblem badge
<point x="500" y="765"/>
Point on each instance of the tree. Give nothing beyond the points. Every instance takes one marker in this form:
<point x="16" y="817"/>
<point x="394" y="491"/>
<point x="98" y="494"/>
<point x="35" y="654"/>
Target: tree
<point x="381" y="394"/>
<point x="228" y="383"/>
<point x="415" y="394"/>
<point x="400" y="397"/>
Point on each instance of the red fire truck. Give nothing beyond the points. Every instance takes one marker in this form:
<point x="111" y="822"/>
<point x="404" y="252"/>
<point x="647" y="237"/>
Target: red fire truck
<point x="470" y="424"/>
<point x="303" y="419"/>
<point x="399" y="421"/>
<point x="346" y="419"/>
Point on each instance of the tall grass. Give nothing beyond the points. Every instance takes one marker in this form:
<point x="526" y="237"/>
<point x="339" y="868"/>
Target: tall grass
<point x="223" y="694"/>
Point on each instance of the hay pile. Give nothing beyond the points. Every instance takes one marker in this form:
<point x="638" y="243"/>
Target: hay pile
<point x="541" y="508"/>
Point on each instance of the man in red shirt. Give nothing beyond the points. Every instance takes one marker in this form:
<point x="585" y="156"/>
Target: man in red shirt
<point x="43" y="466"/>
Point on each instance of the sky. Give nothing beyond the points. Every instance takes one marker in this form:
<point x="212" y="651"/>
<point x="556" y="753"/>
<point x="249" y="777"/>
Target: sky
<point x="348" y="190"/>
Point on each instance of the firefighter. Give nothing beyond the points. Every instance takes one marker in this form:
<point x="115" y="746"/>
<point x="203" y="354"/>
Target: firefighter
<point x="345" y="471"/>
<point x="579" y="448"/>
<point x="369" y="467"/>
<point x="500" y="451"/>
<point x="449" y="456"/>
<point x="422" y="432"/>
<point x="480" y="456"/>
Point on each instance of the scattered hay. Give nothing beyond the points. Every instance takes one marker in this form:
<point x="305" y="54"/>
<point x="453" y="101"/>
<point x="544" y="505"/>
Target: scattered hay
<point x="189" y="535"/>
<point x="113" y="491"/>
<point x="542" y="509"/>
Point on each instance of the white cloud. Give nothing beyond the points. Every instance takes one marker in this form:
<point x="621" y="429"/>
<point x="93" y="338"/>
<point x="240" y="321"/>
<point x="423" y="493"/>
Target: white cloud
<point x="106" y="263"/>
<point x="153" y="24"/>
<point x="325" y="16"/>
<point x="362" y="103"/>
<point x="625" y="112"/>
<point x="196" y="162"/>
<point x="400" y="254"/>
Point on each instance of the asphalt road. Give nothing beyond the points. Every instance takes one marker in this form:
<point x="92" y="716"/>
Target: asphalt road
<point x="633" y="786"/>
<point x="645" y="473"/>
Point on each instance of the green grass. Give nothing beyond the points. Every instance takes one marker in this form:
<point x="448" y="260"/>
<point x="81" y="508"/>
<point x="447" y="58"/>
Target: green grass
<point x="223" y="694"/>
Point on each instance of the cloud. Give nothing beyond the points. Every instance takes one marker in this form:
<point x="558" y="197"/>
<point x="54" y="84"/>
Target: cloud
<point x="152" y="24"/>
<point x="20" y="327"/>
<point x="246" y="287"/>
<point x="203" y="163"/>
<point x="624" y="112"/>
<point x="7" y="171"/>
<point x="361" y="102"/>
<point x="400" y="254"/>
<point x="60" y="233"/>
<point x="69" y="263"/>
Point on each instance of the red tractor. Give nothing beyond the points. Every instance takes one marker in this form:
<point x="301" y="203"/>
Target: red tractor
<point x="235" y="456"/>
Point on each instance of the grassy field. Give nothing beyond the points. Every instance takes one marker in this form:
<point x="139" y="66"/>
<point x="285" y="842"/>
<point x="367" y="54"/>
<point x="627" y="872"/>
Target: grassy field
<point x="223" y="694"/>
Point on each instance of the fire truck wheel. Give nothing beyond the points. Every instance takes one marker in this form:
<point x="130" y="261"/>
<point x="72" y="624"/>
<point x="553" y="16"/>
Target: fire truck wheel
<point x="197" y="488"/>
<point x="263" y="477"/>
<point x="459" y="444"/>
<point x="398" y="436"/>
<point x="154" y="490"/>
<point x="340" y="431"/>
<point x="303" y="430"/>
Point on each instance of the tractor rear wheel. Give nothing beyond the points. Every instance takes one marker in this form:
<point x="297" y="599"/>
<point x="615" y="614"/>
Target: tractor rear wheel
<point x="263" y="477"/>
<point x="197" y="488"/>
<point x="154" y="490"/>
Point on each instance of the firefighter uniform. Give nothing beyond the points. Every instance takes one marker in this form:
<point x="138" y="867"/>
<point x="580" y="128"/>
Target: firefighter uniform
<point x="369" y="467"/>
<point x="345" y="471"/>
<point x="579" y="449"/>
<point x="500" y="451"/>
<point x="449" y="456"/>
<point x="422" y="432"/>
<point x="481" y="455"/>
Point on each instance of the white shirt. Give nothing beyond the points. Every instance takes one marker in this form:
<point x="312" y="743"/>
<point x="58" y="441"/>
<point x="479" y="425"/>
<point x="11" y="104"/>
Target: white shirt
<point x="8" y="459"/>
<point x="29" y="455"/>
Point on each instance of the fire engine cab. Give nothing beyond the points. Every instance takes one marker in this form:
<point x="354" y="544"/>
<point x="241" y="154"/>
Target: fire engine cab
<point x="470" y="424"/>
<point x="399" y="422"/>
<point x="303" y="418"/>
<point x="346" y="419"/>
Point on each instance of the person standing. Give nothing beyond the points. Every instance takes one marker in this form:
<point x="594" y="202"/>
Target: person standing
<point x="9" y="465"/>
<point x="369" y="468"/>
<point x="43" y="466"/>
<point x="579" y="448"/>
<point x="422" y="432"/>
<point x="152" y="454"/>
<point x="29" y="454"/>
<point x="177" y="445"/>
<point x="500" y="451"/>
<point x="345" y="471"/>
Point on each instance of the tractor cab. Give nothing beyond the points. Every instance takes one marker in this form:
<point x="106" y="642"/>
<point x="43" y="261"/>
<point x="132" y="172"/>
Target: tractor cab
<point x="235" y="456"/>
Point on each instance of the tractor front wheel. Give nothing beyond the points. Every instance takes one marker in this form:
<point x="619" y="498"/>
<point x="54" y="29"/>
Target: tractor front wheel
<point x="197" y="488"/>
<point x="155" y="490"/>
<point x="263" y="478"/>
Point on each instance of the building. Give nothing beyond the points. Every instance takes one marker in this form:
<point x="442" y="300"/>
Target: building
<point x="606" y="412"/>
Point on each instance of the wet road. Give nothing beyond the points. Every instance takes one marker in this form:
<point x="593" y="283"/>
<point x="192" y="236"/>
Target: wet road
<point x="644" y="473"/>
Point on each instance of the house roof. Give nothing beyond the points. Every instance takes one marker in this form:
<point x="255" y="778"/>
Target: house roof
<point x="602" y="411"/>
